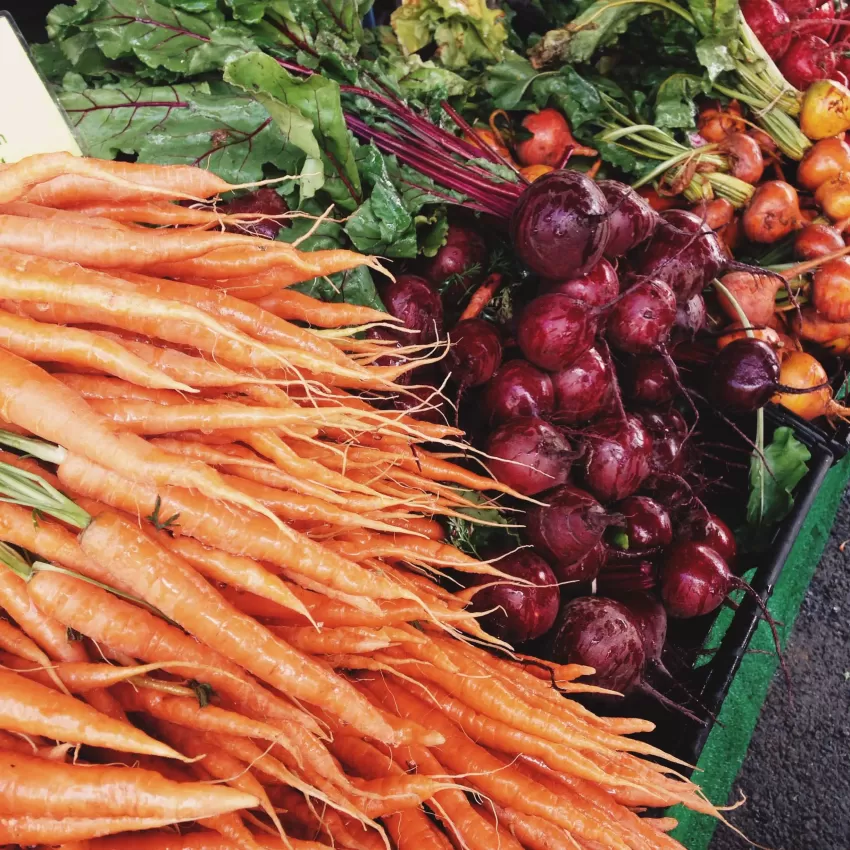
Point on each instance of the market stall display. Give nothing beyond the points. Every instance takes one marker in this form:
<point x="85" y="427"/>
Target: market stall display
<point x="399" y="341"/>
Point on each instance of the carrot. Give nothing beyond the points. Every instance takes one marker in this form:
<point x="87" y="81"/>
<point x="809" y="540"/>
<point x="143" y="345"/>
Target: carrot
<point x="77" y="791"/>
<point x="171" y="253"/>
<point x="231" y="530"/>
<point x="36" y="341"/>
<point x="481" y="297"/>
<point x="505" y="785"/>
<point x="165" y="581"/>
<point x="535" y="833"/>
<point x="231" y="828"/>
<point x="95" y="387"/>
<point x="31" y="708"/>
<point x="349" y="639"/>
<point x="22" y="176"/>
<point x="27" y="210"/>
<point x="219" y="764"/>
<point x="290" y="304"/>
<point x="180" y="367"/>
<point x="243" y="573"/>
<point x="27" y="831"/>
<point x="71" y="190"/>
<point x="243" y="315"/>
<point x="13" y="640"/>
<point x="460" y="818"/>
<point x="33" y="399"/>
<point x="45" y="537"/>
<point x="124" y="627"/>
<point x="157" y="212"/>
<point x="49" y="634"/>
<point x="412" y="830"/>
<point x="192" y="841"/>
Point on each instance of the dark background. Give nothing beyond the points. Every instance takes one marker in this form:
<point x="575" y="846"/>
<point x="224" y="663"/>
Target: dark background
<point x="796" y="776"/>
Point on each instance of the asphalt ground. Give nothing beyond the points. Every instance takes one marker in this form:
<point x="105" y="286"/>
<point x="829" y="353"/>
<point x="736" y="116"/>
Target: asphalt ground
<point x="796" y="776"/>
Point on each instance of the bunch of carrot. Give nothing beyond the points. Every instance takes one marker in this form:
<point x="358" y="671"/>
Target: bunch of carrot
<point x="221" y="625"/>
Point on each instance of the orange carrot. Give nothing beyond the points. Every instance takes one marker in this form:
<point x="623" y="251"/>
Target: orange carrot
<point x="481" y="297"/>
<point x="27" y="707"/>
<point x="535" y="833"/>
<point x="290" y="304"/>
<point x="169" y="584"/>
<point x="138" y="633"/>
<point x="192" y="841"/>
<point x="33" y="399"/>
<point x="231" y="530"/>
<point x="77" y="791"/>
<point x="505" y="785"/>
<point x="27" y="210"/>
<point x="30" y="831"/>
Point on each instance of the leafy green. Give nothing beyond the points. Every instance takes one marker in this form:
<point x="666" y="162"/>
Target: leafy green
<point x="674" y="102"/>
<point x="465" y="31"/>
<point x="771" y="488"/>
<point x="597" y="26"/>
<point x="308" y="113"/>
<point x="213" y="126"/>
<point x="472" y="538"/>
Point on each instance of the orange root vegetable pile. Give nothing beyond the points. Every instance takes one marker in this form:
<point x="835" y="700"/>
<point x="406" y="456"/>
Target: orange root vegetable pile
<point x="228" y="617"/>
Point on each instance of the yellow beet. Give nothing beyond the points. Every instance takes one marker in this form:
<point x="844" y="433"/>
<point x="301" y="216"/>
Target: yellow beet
<point x="826" y="109"/>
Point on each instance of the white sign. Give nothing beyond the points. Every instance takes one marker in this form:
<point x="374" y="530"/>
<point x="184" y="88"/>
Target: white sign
<point x="30" y="119"/>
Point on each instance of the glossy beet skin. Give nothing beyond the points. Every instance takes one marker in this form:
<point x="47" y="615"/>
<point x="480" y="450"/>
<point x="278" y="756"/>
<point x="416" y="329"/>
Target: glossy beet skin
<point x="694" y="580"/>
<point x="631" y="221"/>
<point x="518" y="389"/>
<point x="683" y="252"/>
<point x="649" y="616"/>
<point x="560" y="225"/>
<point x="568" y="526"/>
<point x="585" y="568"/>
<point x="641" y="320"/>
<point x="262" y="202"/>
<point x="413" y="300"/>
<point x="389" y="359"/>
<point x="529" y="455"/>
<point x="474" y="354"/>
<point x="744" y="376"/>
<point x="690" y="319"/>
<point x="647" y="523"/>
<point x="600" y="633"/>
<point x="555" y="330"/>
<point x="702" y="527"/>
<point x="648" y="380"/>
<point x="522" y="613"/>
<point x="582" y="390"/>
<point x="771" y="24"/>
<point x="463" y="258"/>
<point x="598" y="287"/>
<point x="617" y="458"/>
<point x="808" y="59"/>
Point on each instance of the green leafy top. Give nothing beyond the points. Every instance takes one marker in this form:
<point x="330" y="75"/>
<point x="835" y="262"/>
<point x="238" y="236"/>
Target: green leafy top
<point x="466" y="32"/>
<point x="772" y="486"/>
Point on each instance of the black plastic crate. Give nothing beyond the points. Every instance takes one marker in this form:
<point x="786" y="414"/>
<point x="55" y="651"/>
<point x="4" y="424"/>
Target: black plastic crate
<point x="704" y="687"/>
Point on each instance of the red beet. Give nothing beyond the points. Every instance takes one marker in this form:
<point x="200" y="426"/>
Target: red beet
<point x="261" y="202"/>
<point x="555" y="330"/>
<point x="582" y="390"/>
<point x="529" y="455"/>
<point x="522" y="613"/>
<point x="519" y="389"/>
<point x="771" y="24"/>
<point x="463" y="258"/>
<point x="641" y="320"/>
<point x="808" y="59"/>
<point x="414" y="301"/>
<point x="648" y="525"/>
<point x="598" y="287"/>
<point x="617" y="458"/>
<point x="475" y="353"/>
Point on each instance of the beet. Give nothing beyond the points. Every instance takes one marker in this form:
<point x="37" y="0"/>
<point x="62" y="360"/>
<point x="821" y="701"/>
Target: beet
<point x="560" y="225"/>
<point x="585" y="568"/>
<point x="690" y="319"/>
<point x="529" y="455"/>
<point x="617" y="458"/>
<point x="683" y="252"/>
<point x="647" y="524"/>
<point x="474" y="354"/>
<point x="413" y="300"/>
<point x="649" y="380"/>
<point x="641" y="320"/>
<point x="703" y="527"/>
<point x="518" y="389"/>
<point x="555" y="330"/>
<point x="598" y="287"/>
<point x="631" y="219"/>
<point x="582" y="390"/>
<point x="568" y="526"/>
<point x="771" y="25"/>
<point x="808" y="59"/>
<point x="463" y="258"/>
<point x="649" y="616"/>
<point x="694" y="580"/>
<point x="260" y="202"/>
<point x="389" y="359"/>
<point x="522" y="612"/>
<point x="600" y="633"/>
<point x="744" y="375"/>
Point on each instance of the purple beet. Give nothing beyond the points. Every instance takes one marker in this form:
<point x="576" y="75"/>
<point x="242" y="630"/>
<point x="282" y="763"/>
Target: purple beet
<point x="617" y="458"/>
<point x="582" y="389"/>
<point x="518" y="389"/>
<point x="598" y="287"/>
